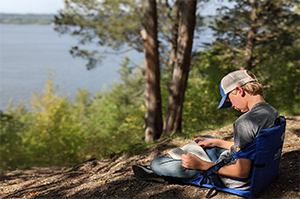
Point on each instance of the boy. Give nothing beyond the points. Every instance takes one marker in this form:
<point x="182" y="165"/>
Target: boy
<point x="241" y="91"/>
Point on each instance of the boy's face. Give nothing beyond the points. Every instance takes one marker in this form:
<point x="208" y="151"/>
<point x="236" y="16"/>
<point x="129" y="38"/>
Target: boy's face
<point x="238" y="101"/>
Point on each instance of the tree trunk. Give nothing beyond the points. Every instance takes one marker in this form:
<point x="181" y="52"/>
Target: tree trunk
<point x="182" y="66"/>
<point x="173" y="44"/>
<point x="153" y="118"/>
<point x="251" y="36"/>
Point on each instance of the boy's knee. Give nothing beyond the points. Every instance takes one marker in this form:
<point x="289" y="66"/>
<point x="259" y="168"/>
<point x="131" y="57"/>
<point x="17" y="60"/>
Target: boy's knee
<point x="155" y="163"/>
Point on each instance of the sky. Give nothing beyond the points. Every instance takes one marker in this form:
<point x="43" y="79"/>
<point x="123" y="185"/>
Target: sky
<point x="31" y="6"/>
<point x="52" y="6"/>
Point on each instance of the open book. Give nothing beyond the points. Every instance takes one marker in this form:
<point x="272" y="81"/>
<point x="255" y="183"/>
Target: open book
<point x="192" y="148"/>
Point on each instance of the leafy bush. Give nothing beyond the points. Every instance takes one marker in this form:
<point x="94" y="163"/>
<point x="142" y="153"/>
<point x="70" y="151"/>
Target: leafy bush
<point x="115" y="118"/>
<point x="11" y="147"/>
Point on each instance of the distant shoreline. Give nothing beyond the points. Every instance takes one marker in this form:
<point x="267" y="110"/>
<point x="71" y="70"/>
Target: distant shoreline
<point x="27" y="19"/>
<point x="28" y="24"/>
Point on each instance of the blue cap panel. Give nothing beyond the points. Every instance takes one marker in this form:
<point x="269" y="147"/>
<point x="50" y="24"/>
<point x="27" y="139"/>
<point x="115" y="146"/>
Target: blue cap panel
<point x="223" y="103"/>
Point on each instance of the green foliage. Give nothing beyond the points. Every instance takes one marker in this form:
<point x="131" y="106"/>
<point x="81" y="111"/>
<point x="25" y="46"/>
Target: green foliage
<point x="11" y="149"/>
<point x="274" y="25"/>
<point x="56" y="131"/>
<point x="202" y="96"/>
<point x="115" y="118"/>
<point x="52" y="135"/>
<point x="280" y="76"/>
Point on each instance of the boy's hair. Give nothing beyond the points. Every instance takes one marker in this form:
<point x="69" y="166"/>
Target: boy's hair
<point x="252" y="88"/>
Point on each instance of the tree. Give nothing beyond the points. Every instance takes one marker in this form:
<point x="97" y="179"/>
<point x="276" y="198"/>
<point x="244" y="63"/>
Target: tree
<point x="153" y="118"/>
<point x="114" y="23"/>
<point x="182" y="67"/>
<point x="252" y="24"/>
<point x="105" y="23"/>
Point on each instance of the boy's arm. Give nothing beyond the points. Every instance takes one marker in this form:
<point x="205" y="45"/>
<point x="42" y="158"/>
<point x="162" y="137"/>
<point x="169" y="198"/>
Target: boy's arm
<point x="210" y="142"/>
<point x="240" y="169"/>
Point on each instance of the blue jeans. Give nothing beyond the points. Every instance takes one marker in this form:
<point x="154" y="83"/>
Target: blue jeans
<point x="169" y="167"/>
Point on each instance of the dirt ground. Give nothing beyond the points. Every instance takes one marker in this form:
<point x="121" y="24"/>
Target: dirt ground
<point x="113" y="178"/>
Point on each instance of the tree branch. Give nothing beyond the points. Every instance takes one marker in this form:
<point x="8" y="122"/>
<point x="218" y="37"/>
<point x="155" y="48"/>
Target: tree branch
<point x="131" y="44"/>
<point x="163" y="60"/>
<point x="227" y="46"/>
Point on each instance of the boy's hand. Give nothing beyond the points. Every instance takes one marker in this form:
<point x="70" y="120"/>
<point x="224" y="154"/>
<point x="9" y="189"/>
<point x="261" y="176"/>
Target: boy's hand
<point x="205" y="142"/>
<point x="191" y="161"/>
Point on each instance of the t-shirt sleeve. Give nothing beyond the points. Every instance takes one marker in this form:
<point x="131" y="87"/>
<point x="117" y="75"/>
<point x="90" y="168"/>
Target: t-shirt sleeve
<point x="245" y="130"/>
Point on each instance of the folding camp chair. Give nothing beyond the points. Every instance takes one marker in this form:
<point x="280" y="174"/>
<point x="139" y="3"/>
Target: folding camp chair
<point x="265" y="150"/>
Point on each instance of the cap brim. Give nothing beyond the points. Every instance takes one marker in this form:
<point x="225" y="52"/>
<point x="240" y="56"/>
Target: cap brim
<point x="223" y="103"/>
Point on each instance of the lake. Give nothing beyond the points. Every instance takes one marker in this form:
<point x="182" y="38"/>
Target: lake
<point x="27" y="52"/>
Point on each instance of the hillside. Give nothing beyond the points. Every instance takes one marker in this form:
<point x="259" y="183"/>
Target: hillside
<point x="113" y="178"/>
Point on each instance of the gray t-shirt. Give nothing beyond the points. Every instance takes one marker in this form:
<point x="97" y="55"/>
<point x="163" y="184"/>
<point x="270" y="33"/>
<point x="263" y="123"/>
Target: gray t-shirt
<point x="261" y="116"/>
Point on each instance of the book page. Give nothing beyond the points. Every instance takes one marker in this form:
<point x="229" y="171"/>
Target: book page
<point x="176" y="153"/>
<point x="194" y="149"/>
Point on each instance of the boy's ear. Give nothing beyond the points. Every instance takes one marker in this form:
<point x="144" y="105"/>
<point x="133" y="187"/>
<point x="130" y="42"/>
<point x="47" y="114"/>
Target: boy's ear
<point x="240" y="90"/>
